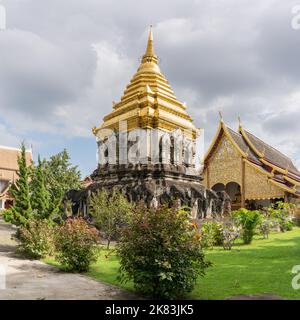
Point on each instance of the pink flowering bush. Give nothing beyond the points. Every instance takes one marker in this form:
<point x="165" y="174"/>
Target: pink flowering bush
<point x="76" y="244"/>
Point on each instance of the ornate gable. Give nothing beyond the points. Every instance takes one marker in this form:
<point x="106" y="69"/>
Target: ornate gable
<point x="225" y="164"/>
<point x="258" y="186"/>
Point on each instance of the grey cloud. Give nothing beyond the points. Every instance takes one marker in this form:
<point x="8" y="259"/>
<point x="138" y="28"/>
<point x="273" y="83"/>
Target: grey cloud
<point x="239" y="56"/>
<point x="284" y="123"/>
<point x="37" y="76"/>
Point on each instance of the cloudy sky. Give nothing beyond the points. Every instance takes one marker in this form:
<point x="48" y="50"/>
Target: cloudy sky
<point x="63" y="62"/>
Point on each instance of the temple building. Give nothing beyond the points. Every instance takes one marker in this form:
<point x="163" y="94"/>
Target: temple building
<point x="8" y="172"/>
<point x="252" y="173"/>
<point x="147" y="147"/>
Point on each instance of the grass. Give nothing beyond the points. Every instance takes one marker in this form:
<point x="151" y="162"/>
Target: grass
<point x="262" y="267"/>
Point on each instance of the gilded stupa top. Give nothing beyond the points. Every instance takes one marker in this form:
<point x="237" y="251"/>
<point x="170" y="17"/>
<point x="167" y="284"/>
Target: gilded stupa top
<point x="149" y="101"/>
<point x="150" y="55"/>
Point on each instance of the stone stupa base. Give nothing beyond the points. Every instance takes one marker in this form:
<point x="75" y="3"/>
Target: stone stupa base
<point x="154" y="185"/>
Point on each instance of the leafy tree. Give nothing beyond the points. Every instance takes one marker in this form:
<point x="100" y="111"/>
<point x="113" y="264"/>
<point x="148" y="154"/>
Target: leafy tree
<point x="39" y="193"/>
<point x="110" y="212"/>
<point x="160" y="251"/>
<point x="21" y="210"/>
<point x="60" y="176"/>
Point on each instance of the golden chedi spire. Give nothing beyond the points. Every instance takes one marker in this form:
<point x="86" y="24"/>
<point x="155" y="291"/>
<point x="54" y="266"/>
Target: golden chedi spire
<point x="148" y="73"/>
<point x="150" y="55"/>
<point x="148" y="100"/>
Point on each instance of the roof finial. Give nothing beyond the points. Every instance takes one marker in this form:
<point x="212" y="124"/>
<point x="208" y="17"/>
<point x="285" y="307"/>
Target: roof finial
<point x="150" y="54"/>
<point x="150" y="33"/>
<point x="240" y="121"/>
<point x="221" y="116"/>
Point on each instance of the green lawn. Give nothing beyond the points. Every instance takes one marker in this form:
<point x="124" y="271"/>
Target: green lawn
<point x="262" y="267"/>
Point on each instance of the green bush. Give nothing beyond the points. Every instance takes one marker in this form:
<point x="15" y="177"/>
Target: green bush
<point x="7" y="215"/>
<point x="75" y="244"/>
<point x="248" y="221"/>
<point x="36" y="239"/>
<point x="281" y="212"/>
<point x="211" y="234"/>
<point x="160" y="251"/>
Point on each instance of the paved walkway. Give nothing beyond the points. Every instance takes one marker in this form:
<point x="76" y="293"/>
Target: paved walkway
<point x="34" y="280"/>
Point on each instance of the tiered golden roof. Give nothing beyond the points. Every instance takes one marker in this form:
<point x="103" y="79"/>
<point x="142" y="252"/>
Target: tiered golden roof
<point x="149" y="101"/>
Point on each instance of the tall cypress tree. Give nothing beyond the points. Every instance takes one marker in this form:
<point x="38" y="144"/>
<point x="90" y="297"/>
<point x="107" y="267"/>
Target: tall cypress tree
<point x="21" y="210"/>
<point x="39" y="193"/>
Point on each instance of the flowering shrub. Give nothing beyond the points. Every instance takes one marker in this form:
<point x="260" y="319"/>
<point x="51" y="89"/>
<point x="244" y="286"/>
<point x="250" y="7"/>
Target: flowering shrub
<point x="265" y="226"/>
<point x="268" y="224"/>
<point x="160" y="251"/>
<point x="222" y="233"/>
<point x="75" y="243"/>
<point x="229" y="233"/>
<point x="36" y="239"/>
